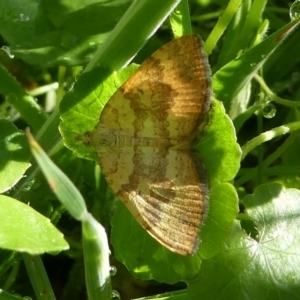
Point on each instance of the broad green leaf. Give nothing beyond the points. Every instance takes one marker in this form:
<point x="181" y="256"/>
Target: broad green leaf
<point x="14" y="155"/>
<point x="81" y="108"/>
<point x="25" y="230"/>
<point x="263" y="268"/>
<point x="65" y="32"/>
<point x="218" y="146"/>
<point x="222" y="211"/>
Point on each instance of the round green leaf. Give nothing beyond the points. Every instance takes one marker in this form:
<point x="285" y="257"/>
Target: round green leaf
<point x="265" y="268"/>
<point x="218" y="147"/>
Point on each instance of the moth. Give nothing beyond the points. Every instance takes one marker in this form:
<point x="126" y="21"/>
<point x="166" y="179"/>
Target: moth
<point x="144" y="142"/>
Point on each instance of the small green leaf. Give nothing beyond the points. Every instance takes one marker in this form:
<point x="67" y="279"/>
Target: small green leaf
<point x="25" y="230"/>
<point x="14" y="155"/>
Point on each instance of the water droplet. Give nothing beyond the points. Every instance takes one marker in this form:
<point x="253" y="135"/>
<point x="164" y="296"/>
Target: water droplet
<point x="269" y="110"/>
<point x="115" y="295"/>
<point x="112" y="271"/>
<point x="6" y="49"/>
<point x="295" y="10"/>
<point x="253" y="65"/>
<point x="27" y="298"/>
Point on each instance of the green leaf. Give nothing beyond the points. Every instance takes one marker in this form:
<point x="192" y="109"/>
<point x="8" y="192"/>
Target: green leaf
<point x="266" y="268"/>
<point x="81" y="108"/>
<point x="180" y="20"/>
<point x="96" y="259"/>
<point x="14" y="155"/>
<point x="282" y="63"/>
<point x="241" y="30"/>
<point x="26" y="105"/>
<point x="61" y="185"/>
<point x="95" y="245"/>
<point x="38" y="276"/>
<point x="222" y="211"/>
<point x="177" y="295"/>
<point x="218" y="146"/>
<point x="221" y="26"/>
<point x="65" y="32"/>
<point x="131" y="33"/>
<point x="246" y="65"/>
<point x="38" y="193"/>
<point x="25" y="230"/>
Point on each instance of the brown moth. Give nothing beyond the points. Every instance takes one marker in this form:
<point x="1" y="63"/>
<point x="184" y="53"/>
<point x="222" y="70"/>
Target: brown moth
<point x="144" y="142"/>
